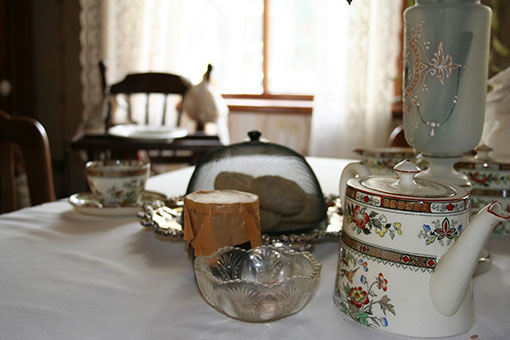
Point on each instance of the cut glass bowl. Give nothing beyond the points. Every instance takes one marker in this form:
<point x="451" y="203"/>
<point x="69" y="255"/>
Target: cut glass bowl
<point x="257" y="285"/>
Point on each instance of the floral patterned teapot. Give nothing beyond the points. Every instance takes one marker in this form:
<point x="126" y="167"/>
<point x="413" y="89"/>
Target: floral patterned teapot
<point x="407" y="254"/>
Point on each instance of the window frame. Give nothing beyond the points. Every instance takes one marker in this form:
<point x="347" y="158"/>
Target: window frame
<point x="266" y="31"/>
<point x="266" y="102"/>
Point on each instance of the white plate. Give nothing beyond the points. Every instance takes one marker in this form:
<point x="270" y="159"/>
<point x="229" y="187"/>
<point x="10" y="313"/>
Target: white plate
<point x="87" y="203"/>
<point x="147" y="132"/>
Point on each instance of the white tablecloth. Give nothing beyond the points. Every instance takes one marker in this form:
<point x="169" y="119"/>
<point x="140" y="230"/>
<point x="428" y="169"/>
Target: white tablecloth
<point x="65" y="275"/>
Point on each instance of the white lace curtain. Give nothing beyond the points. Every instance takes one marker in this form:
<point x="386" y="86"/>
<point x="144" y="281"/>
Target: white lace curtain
<point x="357" y="50"/>
<point x="140" y="36"/>
<point x="358" y="47"/>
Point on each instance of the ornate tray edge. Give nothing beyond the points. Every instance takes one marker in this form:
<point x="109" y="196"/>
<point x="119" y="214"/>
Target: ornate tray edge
<point x="169" y="211"/>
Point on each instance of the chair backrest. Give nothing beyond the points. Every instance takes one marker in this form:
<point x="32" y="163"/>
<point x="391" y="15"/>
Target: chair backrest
<point x="397" y="137"/>
<point x="31" y="139"/>
<point x="146" y="83"/>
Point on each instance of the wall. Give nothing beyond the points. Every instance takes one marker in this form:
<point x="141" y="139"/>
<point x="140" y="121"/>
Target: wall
<point x="286" y="129"/>
<point x="57" y="70"/>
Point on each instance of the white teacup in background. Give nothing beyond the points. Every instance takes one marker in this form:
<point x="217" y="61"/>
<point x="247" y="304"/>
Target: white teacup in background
<point x="490" y="180"/>
<point x="117" y="182"/>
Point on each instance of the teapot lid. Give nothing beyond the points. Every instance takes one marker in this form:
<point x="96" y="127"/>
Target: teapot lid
<point x="410" y="187"/>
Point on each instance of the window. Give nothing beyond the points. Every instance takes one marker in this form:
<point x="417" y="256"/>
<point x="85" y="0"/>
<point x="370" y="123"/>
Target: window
<point x="290" y="46"/>
<point x="259" y="46"/>
<point x="255" y="46"/>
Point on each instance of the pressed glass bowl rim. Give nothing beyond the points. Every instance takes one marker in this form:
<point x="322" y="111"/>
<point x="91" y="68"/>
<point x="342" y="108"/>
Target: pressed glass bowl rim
<point x="307" y="255"/>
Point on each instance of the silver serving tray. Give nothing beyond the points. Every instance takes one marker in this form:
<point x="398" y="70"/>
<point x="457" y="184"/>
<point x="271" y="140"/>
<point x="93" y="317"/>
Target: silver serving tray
<point x="165" y="217"/>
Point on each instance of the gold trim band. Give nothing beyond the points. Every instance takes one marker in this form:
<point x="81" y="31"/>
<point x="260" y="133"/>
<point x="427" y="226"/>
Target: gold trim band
<point x="420" y="261"/>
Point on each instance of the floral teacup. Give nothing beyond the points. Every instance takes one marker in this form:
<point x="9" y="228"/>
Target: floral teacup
<point x="490" y="181"/>
<point x="117" y="182"/>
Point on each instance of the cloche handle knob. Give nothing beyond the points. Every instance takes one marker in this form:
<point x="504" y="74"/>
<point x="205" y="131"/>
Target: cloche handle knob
<point x="406" y="170"/>
<point x="254" y="135"/>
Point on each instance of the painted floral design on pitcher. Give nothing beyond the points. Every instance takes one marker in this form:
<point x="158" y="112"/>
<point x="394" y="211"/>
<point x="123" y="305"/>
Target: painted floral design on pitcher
<point x="363" y="222"/>
<point x="359" y="299"/>
<point x="440" y="65"/>
<point x="444" y="232"/>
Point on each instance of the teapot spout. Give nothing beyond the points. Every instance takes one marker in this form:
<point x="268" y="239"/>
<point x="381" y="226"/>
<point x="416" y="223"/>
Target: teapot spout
<point x="452" y="275"/>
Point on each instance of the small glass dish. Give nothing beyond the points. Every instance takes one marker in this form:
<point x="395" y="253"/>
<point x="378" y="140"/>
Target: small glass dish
<point x="262" y="284"/>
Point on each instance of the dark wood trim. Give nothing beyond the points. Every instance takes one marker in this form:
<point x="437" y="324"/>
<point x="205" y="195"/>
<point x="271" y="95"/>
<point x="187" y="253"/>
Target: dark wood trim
<point x="304" y="97"/>
<point x="396" y="110"/>
<point x="270" y="109"/>
<point x="270" y="104"/>
<point x="194" y="145"/>
<point x="18" y="47"/>
<point x="99" y="141"/>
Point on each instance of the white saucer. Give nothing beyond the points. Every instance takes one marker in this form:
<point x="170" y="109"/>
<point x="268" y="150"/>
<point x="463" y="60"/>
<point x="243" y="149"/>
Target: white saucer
<point x="87" y="203"/>
<point x="147" y="132"/>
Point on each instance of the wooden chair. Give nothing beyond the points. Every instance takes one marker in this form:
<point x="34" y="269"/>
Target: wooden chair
<point x="31" y="139"/>
<point x="182" y="150"/>
<point x="397" y="137"/>
<point x="144" y="83"/>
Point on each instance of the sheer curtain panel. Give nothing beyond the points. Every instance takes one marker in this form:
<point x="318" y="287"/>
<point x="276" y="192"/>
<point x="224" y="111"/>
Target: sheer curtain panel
<point x="349" y="51"/>
<point x="357" y="51"/>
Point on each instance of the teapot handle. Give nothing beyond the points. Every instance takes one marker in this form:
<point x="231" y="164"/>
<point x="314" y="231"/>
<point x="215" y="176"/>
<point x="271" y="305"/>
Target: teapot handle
<point x="350" y="171"/>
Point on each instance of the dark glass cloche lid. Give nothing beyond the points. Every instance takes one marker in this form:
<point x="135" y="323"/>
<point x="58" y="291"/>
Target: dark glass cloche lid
<point x="290" y="196"/>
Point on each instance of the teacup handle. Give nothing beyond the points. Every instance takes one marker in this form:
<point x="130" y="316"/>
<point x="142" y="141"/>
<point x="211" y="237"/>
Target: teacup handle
<point x="350" y="171"/>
